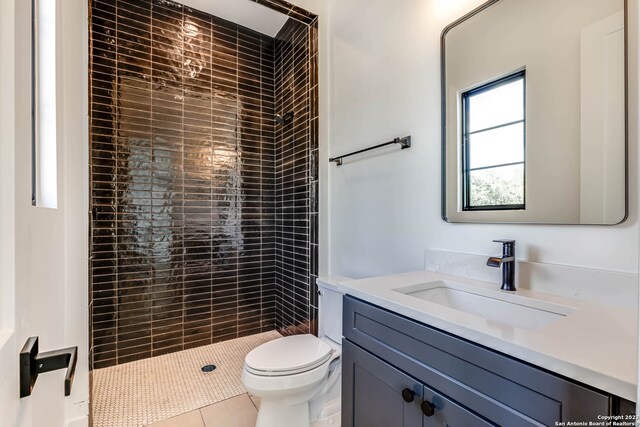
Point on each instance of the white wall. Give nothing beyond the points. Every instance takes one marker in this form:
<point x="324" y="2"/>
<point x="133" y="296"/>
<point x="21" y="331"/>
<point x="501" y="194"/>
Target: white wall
<point x="74" y="173"/>
<point x="384" y="209"/>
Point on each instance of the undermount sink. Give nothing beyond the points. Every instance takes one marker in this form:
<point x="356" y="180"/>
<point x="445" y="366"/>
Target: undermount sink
<point x="497" y="306"/>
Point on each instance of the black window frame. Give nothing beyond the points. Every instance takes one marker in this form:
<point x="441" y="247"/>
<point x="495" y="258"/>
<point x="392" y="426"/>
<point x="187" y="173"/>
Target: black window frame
<point x="466" y="179"/>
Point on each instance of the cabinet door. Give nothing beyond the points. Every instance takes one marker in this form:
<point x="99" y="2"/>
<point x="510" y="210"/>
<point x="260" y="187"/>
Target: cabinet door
<point x="440" y="411"/>
<point x="375" y="394"/>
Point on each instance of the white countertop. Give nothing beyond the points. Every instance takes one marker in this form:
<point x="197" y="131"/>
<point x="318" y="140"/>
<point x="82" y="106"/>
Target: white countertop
<point x="595" y="345"/>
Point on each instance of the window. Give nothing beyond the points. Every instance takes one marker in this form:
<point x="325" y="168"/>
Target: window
<point x="44" y="171"/>
<point x="493" y="145"/>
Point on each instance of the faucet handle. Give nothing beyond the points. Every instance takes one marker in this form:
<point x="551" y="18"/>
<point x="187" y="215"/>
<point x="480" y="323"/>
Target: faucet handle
<point x="508" y="247"/>
<point x="505" y="241"/>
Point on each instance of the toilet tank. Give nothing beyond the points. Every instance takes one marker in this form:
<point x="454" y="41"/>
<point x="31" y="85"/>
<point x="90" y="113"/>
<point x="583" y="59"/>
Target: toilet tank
<point x="330" y="308"/>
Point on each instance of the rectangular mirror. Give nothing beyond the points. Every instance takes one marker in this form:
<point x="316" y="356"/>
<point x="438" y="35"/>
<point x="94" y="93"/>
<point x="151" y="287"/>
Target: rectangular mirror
<point x="534" y="117"/>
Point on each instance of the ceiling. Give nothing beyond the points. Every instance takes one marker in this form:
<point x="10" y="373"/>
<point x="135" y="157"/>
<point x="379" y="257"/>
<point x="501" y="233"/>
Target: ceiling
<point x="244" y="12"/>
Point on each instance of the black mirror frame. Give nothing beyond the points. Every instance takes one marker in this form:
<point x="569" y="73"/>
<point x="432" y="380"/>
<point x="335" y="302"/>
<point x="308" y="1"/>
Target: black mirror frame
<point x="443" y="119"/>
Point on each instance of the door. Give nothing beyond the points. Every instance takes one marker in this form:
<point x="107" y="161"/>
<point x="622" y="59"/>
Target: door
<point x="375" y="394"/>
<point x="439" y="410"/>
<point x="602" y="124"/>
<point x="43" y="249"/>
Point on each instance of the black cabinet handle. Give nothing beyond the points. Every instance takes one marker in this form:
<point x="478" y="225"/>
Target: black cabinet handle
<point x="33" y="363"/>
<point x="427" y="408"/>
<point x="408" y="395"/>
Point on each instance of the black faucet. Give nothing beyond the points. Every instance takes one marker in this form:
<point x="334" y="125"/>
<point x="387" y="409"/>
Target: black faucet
<point x="508" y="264"/>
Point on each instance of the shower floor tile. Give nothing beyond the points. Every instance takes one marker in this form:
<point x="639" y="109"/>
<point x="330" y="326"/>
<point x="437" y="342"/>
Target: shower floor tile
<point x="139" y="393"/>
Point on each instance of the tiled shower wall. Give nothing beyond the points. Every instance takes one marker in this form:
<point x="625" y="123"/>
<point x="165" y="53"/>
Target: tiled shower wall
<point x="297" y="178"/>
<point x="183" y="181"/>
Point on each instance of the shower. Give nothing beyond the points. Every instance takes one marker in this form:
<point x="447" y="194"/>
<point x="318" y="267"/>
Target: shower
<point x="204" y="239"/>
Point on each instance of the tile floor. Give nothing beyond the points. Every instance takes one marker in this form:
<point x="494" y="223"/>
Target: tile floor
<point x="239" y="411"/>
<point x="161" y="388"/>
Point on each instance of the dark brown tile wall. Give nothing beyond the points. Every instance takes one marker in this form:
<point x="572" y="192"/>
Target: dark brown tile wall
<point x="297" y="178"/>
<point x="192" y="197"/>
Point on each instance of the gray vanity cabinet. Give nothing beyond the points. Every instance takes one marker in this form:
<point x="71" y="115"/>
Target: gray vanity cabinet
<point x="376" y="392"/>
<point x="401" y="373"/>
<point x="379" y="397"/>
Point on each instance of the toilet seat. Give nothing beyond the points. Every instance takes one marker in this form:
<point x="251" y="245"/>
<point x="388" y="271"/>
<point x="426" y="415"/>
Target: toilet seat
<point x="288" y="356"/>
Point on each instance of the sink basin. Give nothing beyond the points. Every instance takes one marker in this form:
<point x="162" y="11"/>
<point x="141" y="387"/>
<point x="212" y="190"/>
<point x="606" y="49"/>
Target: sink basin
<point x="496" y="306"/>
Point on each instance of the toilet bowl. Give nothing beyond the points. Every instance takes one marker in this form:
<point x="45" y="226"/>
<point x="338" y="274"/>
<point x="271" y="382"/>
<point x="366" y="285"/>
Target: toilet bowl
<point x="298" y="377"/>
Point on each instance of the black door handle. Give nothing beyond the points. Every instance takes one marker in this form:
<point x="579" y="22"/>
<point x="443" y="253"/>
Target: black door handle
<point x="408" y="395"/>
<point x="33" y="363"/>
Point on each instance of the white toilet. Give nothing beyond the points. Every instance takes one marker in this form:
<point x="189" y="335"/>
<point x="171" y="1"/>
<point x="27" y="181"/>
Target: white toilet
<point x="298" y="378"/>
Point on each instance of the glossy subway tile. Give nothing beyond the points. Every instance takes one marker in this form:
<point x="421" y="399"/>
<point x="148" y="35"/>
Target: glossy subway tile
<point x="195" y="191"/>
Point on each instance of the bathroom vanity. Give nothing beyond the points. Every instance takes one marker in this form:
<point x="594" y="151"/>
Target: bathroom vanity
<point x="414" y="355"/>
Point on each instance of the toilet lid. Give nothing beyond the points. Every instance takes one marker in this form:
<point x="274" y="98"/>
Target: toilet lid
<point x="295" y="353"/>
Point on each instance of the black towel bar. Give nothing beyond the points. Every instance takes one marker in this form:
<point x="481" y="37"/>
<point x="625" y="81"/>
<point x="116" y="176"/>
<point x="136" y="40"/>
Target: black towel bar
<point x="404" y="143"/>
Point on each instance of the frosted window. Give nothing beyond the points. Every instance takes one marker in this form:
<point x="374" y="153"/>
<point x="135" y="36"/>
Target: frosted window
<point x="45" y="171"/>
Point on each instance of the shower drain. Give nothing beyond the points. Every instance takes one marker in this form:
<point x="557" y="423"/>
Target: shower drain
<point x="208" y="368"/>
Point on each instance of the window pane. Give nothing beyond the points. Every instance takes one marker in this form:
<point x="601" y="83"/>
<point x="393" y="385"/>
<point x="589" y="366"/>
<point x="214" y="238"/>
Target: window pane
<point x="45" y="186"/>
<point x="497" y="146"/>
<point x="498" y="106"/>
<point x="497" y="186"/>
